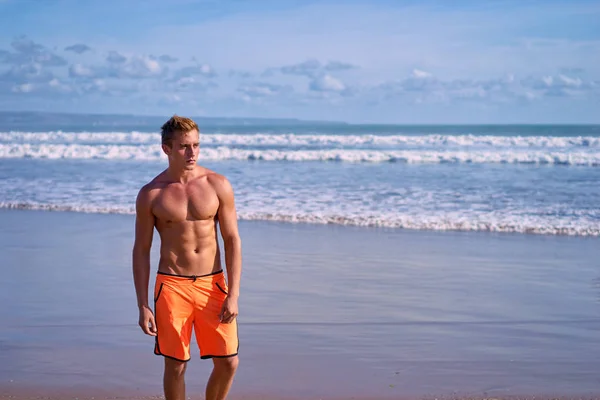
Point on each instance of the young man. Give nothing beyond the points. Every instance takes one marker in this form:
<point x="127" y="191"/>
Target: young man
<point x="186" y="203"/>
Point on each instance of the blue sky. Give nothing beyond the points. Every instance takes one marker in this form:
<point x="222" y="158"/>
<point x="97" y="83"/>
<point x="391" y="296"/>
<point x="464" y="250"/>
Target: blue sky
<point x="356" y="61"/>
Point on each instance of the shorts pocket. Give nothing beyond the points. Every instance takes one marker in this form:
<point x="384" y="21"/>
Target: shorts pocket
<point x="220" y="288"/>
<point x="158" y="292"/>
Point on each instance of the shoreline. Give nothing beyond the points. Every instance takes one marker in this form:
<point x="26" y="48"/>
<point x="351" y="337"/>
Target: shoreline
<point x="23" y="207"/>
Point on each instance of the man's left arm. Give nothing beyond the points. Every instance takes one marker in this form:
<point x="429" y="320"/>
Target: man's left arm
<point x="227" y="218"/>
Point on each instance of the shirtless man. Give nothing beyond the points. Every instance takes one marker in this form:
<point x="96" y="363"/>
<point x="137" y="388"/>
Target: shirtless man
<point x="186" y="203"/>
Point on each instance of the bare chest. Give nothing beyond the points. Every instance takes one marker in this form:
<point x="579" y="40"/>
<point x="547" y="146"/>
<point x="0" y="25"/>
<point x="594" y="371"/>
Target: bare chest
<point x="177" y="203"/>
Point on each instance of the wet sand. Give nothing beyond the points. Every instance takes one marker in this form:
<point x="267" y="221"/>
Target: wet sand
<point x="41" y="394"/>
<point x="326" y="312"/>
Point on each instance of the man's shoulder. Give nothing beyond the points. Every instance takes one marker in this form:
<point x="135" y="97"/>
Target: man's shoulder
<point x="219" y="182"/>
<point x="151" y="187"/>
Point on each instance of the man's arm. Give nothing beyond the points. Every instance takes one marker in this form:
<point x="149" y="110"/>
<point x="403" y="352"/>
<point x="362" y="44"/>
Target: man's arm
<point x="144" y="230"/>
<point x="227" y="217"/>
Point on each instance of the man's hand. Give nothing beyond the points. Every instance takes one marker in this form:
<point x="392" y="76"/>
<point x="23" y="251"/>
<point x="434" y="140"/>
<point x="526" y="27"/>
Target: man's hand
<point x="147" y="322"/>
<point x="229" y="310"/>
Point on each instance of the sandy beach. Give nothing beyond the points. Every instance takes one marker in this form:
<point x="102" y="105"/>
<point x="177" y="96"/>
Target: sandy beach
<point x="416" y="185"/>
<point x="326" y="312"/>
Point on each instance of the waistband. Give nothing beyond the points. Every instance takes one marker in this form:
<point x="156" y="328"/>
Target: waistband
<point x="193" y="278"/>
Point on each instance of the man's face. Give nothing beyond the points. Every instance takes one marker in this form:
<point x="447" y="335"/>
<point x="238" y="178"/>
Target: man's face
<point x="184" y="150"/>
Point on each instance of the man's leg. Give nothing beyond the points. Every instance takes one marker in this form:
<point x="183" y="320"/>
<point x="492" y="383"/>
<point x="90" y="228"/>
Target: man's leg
<point x="174" y="379"/>
<point x="221" y="378"/>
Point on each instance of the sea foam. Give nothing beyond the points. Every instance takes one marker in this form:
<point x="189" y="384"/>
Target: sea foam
<point x="223" y="153"/>
<point x="440" y="222"/>
<point x="294" y="140"/>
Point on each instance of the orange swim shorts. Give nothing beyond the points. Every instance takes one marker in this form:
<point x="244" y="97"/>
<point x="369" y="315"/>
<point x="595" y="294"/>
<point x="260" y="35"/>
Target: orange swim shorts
<point x="183" y="303"/>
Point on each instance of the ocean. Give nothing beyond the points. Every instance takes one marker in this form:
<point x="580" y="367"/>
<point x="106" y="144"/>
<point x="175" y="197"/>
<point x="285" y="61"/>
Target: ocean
<point x="532" y="179"/>
<point x="378" y="261"/>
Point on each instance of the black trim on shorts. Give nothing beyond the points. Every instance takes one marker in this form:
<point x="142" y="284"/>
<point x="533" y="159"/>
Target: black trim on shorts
<point x="158" y="295"/>
<point x="227" y="356"/>
<point x="206" y="357"/>
<point x="158" y="353"/>
<point x="190" y="276"/>
<point x="156" y="345"/>
<point x="220" y="288"/>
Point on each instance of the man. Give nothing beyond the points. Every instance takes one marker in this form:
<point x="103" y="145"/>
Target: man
<point x="185" y="203"/>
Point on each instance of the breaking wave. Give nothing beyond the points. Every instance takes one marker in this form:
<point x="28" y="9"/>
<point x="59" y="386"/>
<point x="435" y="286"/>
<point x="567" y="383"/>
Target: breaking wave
<point x="293" y="140"/>
<point x="475" y="222"/>
<point x="153" y="153"/>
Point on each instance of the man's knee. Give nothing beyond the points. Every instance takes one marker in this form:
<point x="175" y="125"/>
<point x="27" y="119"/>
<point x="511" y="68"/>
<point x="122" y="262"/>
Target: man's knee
<point x="174" y="367"/>
<point x="227" y="364"/>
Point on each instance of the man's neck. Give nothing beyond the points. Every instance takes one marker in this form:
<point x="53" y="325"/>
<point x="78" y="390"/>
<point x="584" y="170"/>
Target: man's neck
<point x="181" y="175"/>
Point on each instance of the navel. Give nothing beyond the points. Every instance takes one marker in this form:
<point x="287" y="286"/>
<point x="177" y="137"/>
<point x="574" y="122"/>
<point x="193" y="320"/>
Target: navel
<point x="196" y="250"/>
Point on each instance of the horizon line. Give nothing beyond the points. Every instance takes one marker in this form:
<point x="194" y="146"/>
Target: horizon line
<point x="296" y="119"/>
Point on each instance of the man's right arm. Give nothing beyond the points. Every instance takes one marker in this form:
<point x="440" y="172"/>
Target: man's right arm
<point x="144" y="230"/>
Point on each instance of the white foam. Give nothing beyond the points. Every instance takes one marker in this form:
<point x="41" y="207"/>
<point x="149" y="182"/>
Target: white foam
<point x="477" y="222"/>
<point x="293" y="140"/>
<point x="79" y="137"/>
<point x="154" y="153"/>
<point x="81" y="151"/>
<point x="81" y="208"/>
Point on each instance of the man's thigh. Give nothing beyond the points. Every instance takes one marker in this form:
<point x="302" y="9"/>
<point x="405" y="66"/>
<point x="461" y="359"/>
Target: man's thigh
<point x="174" y="313"/>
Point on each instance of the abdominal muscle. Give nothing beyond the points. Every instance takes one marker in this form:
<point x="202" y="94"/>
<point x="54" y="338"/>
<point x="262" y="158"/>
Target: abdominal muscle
<point x="189" y="248"/>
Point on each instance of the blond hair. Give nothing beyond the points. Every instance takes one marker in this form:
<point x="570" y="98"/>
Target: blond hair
<point x="174" y="125"/>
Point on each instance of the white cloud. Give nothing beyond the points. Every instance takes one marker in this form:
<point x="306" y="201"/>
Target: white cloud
<point x="195" y="70"/>
<point x="99" y="85"/>
<point x="418" y="74"/>
<point x="56" y="85"/>
<point x="307" y="68"/>
<point x="49" y="88"/>
<point x="23" y="88"/>
<point x="114" y="57"/>
<point x="25" y="73"/>
<point x="121" y="67"/>
<point x="327" y="83"/>
<point x="560" y="85"/>
<point x="170" y="98"/>
<point x="81" y="71"/>
<point x="261" y="89"/>
<point x="571" y="82"/>
<point x="206" y="69"/>
<point x="427" y="89"/>
<point x="135" y="67"/>
<point x="190" y="84"/>
<point x="312" y="68"/>
<point x="355" y="54"/>
<point x="547" y="80"/>
<point x="384" y="39"/>
<point x="26" y="51"/>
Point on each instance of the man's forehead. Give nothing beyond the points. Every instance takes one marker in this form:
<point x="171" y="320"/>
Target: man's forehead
<point x="190" y="136"/>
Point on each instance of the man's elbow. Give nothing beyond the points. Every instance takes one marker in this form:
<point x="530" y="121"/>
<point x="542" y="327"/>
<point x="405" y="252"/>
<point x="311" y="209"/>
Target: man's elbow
<point x="140" y="252"/>
<point x="232" y="242"/>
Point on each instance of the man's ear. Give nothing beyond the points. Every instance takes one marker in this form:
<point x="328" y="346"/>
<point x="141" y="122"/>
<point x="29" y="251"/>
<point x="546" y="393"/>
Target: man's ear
<point x="166" y="149"/>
